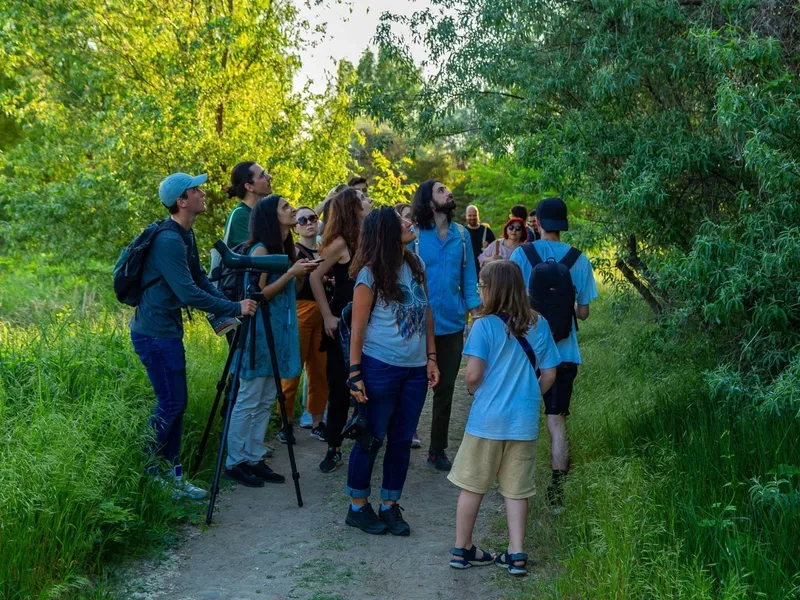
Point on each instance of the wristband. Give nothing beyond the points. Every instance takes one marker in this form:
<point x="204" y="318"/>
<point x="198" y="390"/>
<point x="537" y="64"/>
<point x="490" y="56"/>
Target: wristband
<point x="432" y="360"/>
<point x="431" y="354"/>
<point x="354" y="368"/>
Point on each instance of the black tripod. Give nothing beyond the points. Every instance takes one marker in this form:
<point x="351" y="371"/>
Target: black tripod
<point x="245" y="330"/>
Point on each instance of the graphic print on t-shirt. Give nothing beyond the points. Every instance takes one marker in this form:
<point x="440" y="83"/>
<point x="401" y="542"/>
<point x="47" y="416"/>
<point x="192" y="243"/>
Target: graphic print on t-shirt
<point x="410" y="311"/>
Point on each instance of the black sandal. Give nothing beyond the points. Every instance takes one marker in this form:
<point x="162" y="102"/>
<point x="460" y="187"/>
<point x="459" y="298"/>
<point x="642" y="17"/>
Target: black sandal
<point x="468" y="558"/>
<point x="506" y="560"/>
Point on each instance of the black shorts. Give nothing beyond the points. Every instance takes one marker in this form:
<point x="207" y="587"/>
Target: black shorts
<point x="556" y="400"/>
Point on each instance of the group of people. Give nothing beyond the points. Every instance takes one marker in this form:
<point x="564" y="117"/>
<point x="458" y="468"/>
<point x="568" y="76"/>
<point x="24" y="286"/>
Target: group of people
<point x="410" y="277"/>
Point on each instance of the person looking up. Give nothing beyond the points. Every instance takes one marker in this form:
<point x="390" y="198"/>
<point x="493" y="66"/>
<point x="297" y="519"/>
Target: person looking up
<point x="392" y="364"/>
<point x="346" y="212"/>
<point x="309" y="321"/>
<point x="446" y="250"/>
<point x="360" y="184"/>
<point x="514" y="234"/>
<point x="271" y="225"/>
<point x="249" y="183"/>
<point x="551" y="218"/>
<point x="480" y="234"/>
<point x="172" y="278"/>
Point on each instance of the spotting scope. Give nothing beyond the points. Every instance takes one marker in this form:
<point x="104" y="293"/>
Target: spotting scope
<point x="272" y="263"/>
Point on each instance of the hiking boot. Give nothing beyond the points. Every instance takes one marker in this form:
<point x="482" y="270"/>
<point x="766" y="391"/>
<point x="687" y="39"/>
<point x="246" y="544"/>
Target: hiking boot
<point x="286" y="435"/>
<point x="263" y="472"/>
<point x="438" y="459"/>
<point x="366" y="520"/>
<point x="242" y="474"/>
<point x="182" y="488"/>
<point x="393" y="517"/>
<point x="318" y="432"/>
<point x="333" y="458"/>
<point x="555" y="497"/>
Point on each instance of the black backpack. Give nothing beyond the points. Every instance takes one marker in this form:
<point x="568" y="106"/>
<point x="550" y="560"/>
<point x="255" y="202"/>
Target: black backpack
<point x="551" y="290"/>
<point x="128" y="271"/>
<point x="346" y="327"/>
<point x="230" y="281"/>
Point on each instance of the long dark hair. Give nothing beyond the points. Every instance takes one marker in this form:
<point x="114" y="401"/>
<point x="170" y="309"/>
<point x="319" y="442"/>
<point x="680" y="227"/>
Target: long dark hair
<point x="344" y="219"/>
<point x="421" y="205"/>
<point x="240" y="176"/>
<point x="265" y="228"/>
<point x="382" y="250"/>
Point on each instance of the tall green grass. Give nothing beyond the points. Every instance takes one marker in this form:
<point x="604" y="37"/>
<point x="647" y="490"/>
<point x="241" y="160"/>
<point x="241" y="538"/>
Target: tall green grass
<point x="671" y="495"/>
<point x="74" y="405"/>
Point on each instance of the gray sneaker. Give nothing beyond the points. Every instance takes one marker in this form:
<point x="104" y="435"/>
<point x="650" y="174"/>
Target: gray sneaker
<point x="183" y="488"/>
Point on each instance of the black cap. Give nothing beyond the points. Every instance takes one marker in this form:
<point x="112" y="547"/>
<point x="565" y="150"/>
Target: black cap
<point x="552" y="214"/>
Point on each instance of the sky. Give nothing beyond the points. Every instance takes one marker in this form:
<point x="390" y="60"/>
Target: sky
<point x="350" y="28"/>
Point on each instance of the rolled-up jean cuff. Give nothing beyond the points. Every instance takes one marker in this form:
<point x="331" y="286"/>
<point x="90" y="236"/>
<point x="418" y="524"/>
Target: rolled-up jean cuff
<point x="393" y="495"/>
<point x="356" y="493"/>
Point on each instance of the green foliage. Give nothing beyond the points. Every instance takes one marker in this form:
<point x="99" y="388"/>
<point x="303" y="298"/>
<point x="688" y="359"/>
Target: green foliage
<point x="113" y="96"/>
<point x="74" y="407"/>
<point x="675" y="124"/>
<point x="669" y="496"/>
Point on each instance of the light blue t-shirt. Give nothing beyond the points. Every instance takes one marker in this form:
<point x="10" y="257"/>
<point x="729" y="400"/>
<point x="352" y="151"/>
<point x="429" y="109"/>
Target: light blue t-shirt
<point x="582" y="279"/>
<point x="396" y="332"/>
<point x="506" y="405"/>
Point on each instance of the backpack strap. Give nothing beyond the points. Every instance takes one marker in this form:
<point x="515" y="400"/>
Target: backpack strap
<point x="532" y="254"/>
<point x="523" y="342"/>
<point x="162" y="226"/>
<point x="485" y="229"/>
<point x="462" y="232"/>
<point x="571" y="257"/>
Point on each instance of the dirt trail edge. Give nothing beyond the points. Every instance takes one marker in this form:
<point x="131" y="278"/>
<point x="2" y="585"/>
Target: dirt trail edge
<point x="263" y="546"/>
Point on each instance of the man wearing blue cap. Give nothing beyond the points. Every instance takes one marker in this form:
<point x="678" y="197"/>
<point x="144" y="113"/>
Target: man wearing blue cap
<point x="551" y="220"/>
<point x="172" y="278"/>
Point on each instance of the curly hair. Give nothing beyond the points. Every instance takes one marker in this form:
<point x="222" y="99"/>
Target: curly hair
<point x="382" y="250"/>
<point x="504" y="293"/>
<point x="344" y="219"/>
<point x="421" y="205"/>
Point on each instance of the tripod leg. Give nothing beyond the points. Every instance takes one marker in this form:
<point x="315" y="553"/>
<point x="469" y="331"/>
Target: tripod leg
<point x="236" y="370"/>
<point x="281" y="398"/>
<point x="220" y="388"/>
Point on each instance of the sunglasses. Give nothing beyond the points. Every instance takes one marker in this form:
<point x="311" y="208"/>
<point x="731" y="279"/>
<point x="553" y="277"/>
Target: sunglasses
<point x="514" y="228"/>
<point x="303" y="221"/>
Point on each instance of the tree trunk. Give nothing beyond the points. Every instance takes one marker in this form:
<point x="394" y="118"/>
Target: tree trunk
<point x="640" y="287"/>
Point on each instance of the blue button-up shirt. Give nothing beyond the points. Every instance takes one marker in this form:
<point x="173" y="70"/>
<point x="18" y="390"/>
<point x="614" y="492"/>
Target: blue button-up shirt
<point x="452" y="285"/>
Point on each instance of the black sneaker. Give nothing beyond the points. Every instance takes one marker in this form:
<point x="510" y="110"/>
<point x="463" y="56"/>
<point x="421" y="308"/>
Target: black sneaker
<point x="242" y="474"/>
<point x="263" y="472"/>
<point x="318" y="432"/>
<point x="366" y="520"/>
<point x="286" y="436"/>
<point x="333" y="458"/>
<point x="393" y="517"/>
<point x="439" y="460"/>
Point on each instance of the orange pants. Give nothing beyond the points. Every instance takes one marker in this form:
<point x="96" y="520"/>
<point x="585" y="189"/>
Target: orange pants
<point x="310" y="327"/>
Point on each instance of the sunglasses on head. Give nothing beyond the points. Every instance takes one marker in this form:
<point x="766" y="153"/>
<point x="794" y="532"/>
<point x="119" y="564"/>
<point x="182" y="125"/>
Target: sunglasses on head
<point x="515" y="228"/>
<point x="303" y="221"/>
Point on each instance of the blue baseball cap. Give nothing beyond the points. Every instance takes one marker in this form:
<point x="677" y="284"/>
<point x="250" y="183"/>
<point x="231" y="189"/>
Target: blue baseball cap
<point x="177" y="183"/>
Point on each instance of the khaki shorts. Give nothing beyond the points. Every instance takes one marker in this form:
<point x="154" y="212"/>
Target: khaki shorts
<point x="479" y="460"/>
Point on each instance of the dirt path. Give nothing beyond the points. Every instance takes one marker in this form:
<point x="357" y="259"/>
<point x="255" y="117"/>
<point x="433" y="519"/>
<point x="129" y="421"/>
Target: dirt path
<point x="263" y="546"/>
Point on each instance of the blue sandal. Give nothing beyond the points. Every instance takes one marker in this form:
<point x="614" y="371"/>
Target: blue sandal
<point x="506" y="561"/>
<point x="468" y="558"/>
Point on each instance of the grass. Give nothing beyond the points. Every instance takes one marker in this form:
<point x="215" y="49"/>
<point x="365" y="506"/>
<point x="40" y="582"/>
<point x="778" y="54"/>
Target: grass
<point x="671" y="495"/>
<point x="74" y="405"/>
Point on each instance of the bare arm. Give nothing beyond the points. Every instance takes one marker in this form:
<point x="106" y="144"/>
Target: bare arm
<point x="298" y="269"/>
<point x="582" y="311"/>
<point x="546" y="379"/>
<point x="330" y="255"/>
<point x="476" y="367"/>
<point x="430" y="346"/>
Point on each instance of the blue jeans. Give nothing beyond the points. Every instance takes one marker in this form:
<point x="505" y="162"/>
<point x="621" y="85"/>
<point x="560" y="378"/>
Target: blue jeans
<point x="165" y="362"/>
<point x="396" y="396"/>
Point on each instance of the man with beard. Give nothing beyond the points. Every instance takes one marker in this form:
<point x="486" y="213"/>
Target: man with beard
<point x="446" y="249"/>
